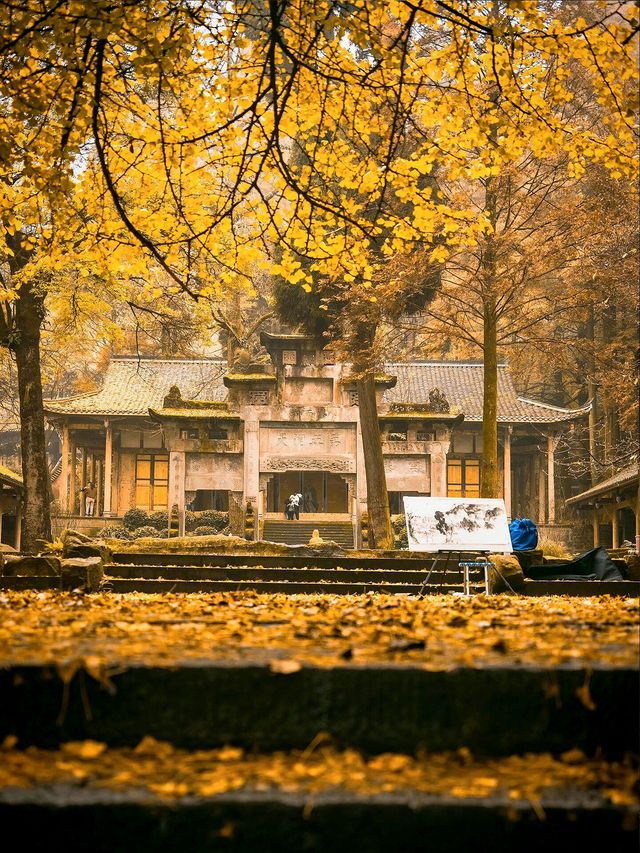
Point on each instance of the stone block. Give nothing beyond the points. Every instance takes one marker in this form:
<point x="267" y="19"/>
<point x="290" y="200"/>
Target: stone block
<point x="632" y="570"/>
<point x="76" y="544"/>
<point x="18" y="565"/>
<point x="509" y="568"/>
<point x="84" y="573"/>
<point x="529" y="558"/>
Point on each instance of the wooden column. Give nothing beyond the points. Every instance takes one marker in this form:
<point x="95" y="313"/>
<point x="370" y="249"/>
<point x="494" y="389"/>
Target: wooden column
<point x="73" y="473"/>
<point x="83" y="477"/>
<point x="108" y="463"/>
<point x="541" y="497"/>
<point x="596" y="529"/>
<point x="551" y="479"/>
<point x="638" y="522"/>
<point x="64" y="470"/>
<point x="615" y="528"/>
<point x="506" y="453"/>
<point x="18" y="536"/>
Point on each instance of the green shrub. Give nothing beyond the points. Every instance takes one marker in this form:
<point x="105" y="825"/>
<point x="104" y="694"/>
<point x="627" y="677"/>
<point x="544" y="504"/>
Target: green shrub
<point x="146" y="530"/>
<point x="190" y="521"/>
<point x="399" y="527"/>
<point x="114" y="531"/>
<point x="134" y="518"/>
<point x="204" y="530"/>
<point x="212" y="518"/>
<point x="159" y="519"/>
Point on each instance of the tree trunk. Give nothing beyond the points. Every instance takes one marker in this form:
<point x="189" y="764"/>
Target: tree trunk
<point x="36" y="519"/>
<point x="489" y="467"/>
<point x="380" y="533"/>
<point x="592" y="393"/>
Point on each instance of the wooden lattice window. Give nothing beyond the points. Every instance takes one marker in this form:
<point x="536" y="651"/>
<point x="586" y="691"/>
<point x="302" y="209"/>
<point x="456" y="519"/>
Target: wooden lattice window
<point x="463" y="478"/>
<point x="152" y="480"/>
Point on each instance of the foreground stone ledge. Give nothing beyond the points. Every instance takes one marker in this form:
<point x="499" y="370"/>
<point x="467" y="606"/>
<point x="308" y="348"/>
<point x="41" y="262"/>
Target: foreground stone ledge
<point x="156" y="797"/>
<point x="283" y="705"/>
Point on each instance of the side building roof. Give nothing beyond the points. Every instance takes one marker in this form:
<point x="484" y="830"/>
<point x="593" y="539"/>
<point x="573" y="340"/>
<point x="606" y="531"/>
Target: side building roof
<point x="626" y="477"/>
<point x="463" y="385"/>
<point x="10" y="478"/>
<point x="134" y="385"/>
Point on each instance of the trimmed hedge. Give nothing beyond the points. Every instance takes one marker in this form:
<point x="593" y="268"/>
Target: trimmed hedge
<point x="159" y="519"/>
<point x="146" y="530"/>
<point x="205" y="531"/>
<point x="135" y="518"/>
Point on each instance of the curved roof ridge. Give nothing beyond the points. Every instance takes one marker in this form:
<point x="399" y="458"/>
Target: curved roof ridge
<point x="72" y="397"/>
<point x="441" y="363"/>
<point x="151" y="358"/>
<point x="543" y="405"/>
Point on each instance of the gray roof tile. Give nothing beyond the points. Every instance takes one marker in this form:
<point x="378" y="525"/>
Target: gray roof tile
<point x="463" y="385"/>
<point x="134" y="385"/>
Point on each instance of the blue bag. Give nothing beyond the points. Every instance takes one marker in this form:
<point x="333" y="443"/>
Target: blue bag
<point x="524" y="534"/>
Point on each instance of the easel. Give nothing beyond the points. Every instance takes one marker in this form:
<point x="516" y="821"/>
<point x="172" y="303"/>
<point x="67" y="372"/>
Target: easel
<point x="466" y="565"/>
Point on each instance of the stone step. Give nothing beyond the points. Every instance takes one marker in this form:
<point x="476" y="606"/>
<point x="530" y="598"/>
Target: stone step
<point x="259" y="573"/>
<point x="385" y="707"/>
<point x="400" y="560"/>
<point x="298" y="532"/>
<point x="325" y="587"/>
<point x="285" y="803"/>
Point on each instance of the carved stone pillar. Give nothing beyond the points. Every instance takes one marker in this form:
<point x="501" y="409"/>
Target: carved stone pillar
<point x="438" y="468"/>
<point x="251" y="461"/>
<point x="177" y="473"/>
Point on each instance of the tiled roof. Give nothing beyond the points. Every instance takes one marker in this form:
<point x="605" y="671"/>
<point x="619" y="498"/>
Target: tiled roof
<point x="625" y="477"/>
<point x="10" y="477"/>
<point x="134" y="385"/>
<point x="463" y="384"/>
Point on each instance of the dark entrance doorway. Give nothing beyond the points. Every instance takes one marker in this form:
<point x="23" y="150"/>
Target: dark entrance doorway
<point x="321" y="491"/>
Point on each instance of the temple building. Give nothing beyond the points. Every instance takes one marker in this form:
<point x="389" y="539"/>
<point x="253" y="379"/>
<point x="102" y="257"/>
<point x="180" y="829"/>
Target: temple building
<point x="11" y="498"/>
<point x="200" y="434"/>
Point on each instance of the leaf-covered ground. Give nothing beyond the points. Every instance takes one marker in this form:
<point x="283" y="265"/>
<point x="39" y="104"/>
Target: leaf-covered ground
<point x="164" y="771"/>
<point x="438" y="632"/>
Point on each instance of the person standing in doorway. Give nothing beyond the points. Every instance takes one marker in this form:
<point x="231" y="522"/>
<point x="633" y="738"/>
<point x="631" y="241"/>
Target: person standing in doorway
<point x="294" y="505"/>
<point x="89" y="498"/>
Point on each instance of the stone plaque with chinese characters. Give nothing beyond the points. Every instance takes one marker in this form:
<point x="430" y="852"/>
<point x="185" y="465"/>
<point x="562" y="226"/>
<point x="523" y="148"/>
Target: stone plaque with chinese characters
<point x="286" y="441"/>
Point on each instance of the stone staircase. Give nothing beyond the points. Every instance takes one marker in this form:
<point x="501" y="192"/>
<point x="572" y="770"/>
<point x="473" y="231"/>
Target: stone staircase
<point x="298" y="532"/>
<point x="337" y="575"/>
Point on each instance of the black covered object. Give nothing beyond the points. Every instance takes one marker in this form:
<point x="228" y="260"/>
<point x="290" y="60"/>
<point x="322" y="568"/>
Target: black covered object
<point x="591" y="566"/>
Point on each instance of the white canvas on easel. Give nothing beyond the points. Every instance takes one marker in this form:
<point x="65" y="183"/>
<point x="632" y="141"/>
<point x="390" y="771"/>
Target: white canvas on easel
<point x="457" y="524"/>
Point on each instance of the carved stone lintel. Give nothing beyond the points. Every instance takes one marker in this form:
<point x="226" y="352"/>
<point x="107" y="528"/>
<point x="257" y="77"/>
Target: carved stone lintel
<point x="306" y="463"/>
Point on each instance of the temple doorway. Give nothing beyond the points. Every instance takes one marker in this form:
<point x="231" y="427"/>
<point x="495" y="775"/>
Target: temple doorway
<point x="322" y="492"/>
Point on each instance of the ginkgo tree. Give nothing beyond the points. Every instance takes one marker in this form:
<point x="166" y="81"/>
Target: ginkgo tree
<point x="206" y="132"/>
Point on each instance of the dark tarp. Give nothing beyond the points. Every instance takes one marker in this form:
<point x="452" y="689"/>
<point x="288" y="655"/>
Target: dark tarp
<point x="591" y="566"/>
